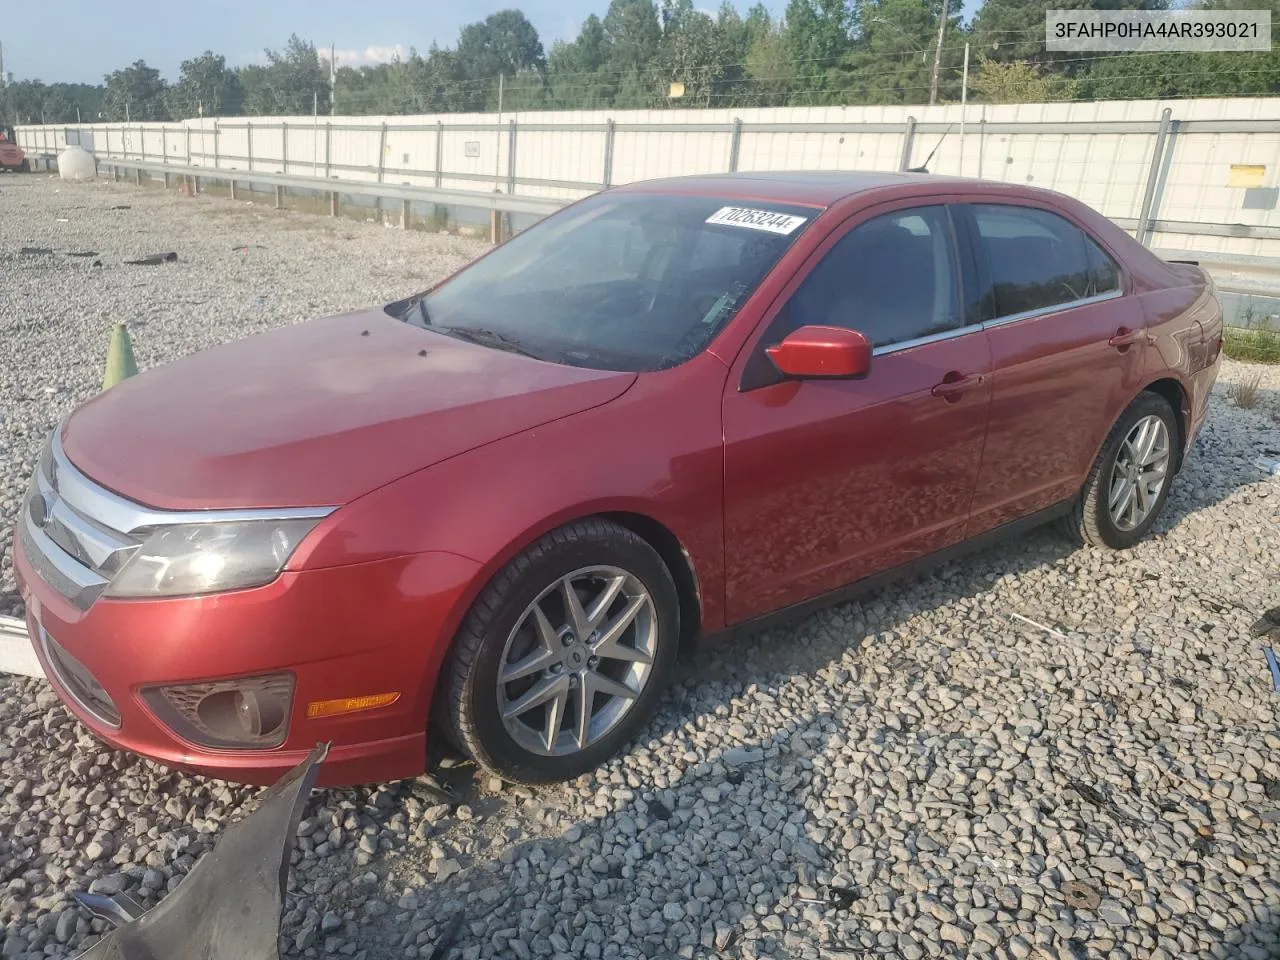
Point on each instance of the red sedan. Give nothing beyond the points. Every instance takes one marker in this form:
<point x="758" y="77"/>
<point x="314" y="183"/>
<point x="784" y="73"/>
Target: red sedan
<point x="497" y="511"/>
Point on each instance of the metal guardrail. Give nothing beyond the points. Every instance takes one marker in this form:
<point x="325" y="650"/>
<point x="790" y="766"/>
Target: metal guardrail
<point x="17" y="656"/>
<point x="406" y="193"/>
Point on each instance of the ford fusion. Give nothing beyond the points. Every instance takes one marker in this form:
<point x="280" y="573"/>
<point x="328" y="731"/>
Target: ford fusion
<point x="494" y="513"/>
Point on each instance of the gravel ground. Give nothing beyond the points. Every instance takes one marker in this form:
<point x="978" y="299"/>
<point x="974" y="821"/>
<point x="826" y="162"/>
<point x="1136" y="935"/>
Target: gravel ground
<point x="920" y="774"/>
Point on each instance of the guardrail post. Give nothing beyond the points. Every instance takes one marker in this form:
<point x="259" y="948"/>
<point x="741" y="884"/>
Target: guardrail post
<point x="735" y="144"/>
<point x="137" y="176"/>
<point x="439" y="151"/>
<point x="248" y="137"/>
<point x="164" y="145"/>
<point x="284" y="147"/>
<point x="382" y="151"/>
<point x="1148" y="195"/>
<point x="404" y="214"/>
<point x="608" y="153"/>
<point x="511" y="159"/>
<point x="279" y="197"/>
<point x="908" y="136"/>
<point x="233" y="188"/>
<point x="333" y="203"/>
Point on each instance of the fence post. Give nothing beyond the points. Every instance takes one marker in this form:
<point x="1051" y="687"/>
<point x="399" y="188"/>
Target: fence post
<point x="735" y="144"/>
<point x="328" y="137"/>
<point x="164" y="145"/>
<point x="608" y="153"/>
<point x="439" y="151"/>
<point x="188" y="160"/>
<point x="511" y="159"/>
<point x="908" y="135"/>
<point x="1148" y="195"/>
<point x="284" y="146"/>
<point x="248" y="137"/>
<point x="217" y="159"/>
<point x="382" y="151"/>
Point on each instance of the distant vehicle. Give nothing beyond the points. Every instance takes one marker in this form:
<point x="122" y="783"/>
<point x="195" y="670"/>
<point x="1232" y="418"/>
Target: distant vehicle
<point x="11" y="155"/>
<point x="494" y="512"/>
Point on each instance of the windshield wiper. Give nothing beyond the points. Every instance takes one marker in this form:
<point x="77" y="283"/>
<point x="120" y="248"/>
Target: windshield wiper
<point x="488" y="338"/>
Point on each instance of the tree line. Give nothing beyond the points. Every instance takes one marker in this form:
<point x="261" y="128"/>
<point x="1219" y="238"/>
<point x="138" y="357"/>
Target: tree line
<point x="650" y="54"/>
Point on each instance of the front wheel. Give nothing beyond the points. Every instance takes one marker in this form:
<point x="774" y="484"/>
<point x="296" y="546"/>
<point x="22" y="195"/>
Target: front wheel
<point x="564" y="654"/>
<point x="1129" y="482"/>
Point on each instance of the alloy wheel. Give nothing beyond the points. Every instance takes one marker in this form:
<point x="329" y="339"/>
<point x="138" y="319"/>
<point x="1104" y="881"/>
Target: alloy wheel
<point x="577" y="660"/>
<point x="1140" y="473"/>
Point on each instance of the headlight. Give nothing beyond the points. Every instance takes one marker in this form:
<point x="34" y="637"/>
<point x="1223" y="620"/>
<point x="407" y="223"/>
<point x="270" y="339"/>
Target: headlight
<point x="209" y="557"/>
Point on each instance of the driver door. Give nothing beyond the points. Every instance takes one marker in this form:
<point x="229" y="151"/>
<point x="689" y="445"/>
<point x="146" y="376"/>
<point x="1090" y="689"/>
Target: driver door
<point x="830" y="481"/>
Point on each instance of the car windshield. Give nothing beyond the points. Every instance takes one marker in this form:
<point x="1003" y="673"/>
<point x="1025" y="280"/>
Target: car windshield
<point x="620" y="281"/>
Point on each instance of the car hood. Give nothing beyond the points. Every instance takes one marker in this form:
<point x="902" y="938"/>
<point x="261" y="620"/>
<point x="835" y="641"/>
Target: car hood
<point x="316" y="414"/>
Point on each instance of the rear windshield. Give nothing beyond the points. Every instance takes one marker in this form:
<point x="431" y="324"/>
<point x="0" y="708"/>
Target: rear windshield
<point x="620" y="281"/>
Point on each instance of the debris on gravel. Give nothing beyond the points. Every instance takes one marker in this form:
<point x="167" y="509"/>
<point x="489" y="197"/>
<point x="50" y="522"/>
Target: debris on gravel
<point x="919" y="774"/>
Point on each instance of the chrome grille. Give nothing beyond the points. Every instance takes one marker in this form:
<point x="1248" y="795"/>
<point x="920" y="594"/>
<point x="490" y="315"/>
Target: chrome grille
<point x="69" y="548"/>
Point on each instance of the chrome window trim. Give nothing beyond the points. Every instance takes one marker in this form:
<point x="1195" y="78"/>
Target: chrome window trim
<point x="921" y="341"/>
<point x="1056" y="308"/>
<point x="125" y="516"/>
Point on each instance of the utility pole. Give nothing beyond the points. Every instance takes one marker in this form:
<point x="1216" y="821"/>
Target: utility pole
<point x="1" y="64"/>
<point x="333" y="76"/>
<point x="937" y="55"/>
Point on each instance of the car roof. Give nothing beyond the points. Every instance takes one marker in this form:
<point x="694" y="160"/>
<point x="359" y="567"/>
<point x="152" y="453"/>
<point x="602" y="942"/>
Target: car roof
<point x="815" y="188"/>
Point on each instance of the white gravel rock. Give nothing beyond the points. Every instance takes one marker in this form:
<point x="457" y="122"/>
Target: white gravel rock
<point x="919" y="774"/>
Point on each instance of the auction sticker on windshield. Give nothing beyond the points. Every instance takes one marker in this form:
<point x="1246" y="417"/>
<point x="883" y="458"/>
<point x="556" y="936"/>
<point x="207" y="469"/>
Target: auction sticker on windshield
<point x="754" y="219"/>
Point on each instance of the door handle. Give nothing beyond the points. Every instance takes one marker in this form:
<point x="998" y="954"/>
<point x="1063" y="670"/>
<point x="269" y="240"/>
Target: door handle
<point x="956" y="384"/>
<point x="1124" y="337"/>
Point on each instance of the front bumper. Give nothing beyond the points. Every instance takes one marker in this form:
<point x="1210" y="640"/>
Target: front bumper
<point x="348" y="631"/>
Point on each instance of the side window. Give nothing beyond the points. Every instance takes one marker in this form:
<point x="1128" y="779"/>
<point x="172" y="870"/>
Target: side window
<point x="1037" y="259"/>
<point x="893" y="278"/>
<point x="1103" y="272"/>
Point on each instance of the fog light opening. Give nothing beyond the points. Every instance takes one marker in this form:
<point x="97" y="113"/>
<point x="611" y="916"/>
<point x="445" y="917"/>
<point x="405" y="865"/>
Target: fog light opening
<point x="250" y="712"/>
<point x="243" y="714"/>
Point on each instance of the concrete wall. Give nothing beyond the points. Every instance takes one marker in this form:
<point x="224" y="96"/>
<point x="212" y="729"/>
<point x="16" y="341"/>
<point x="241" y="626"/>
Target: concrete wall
<point x="1100" y="152"/>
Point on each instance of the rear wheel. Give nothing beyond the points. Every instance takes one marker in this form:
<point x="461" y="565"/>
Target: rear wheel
<point x="1129" y="482"/>
<point x="563" y="655"/>
<point x="25" y="167"/>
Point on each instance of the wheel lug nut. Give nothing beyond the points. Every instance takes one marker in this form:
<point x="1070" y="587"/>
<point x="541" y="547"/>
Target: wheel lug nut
<point x="573" y="681"/>
<point x="557" y="668"/>
<point x="593" y="662"/>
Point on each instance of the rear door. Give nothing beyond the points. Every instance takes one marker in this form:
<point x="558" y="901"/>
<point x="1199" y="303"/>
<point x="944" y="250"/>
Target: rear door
<point x="829" y="481"/>
<point x="1068" y="351"/>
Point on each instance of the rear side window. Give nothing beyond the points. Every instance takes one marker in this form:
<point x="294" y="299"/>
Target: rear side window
<point x="1039" y="260"/>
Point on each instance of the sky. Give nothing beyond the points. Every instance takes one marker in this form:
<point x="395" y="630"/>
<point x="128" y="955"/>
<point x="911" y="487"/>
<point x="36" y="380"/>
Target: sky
<point x="78" y="41"/>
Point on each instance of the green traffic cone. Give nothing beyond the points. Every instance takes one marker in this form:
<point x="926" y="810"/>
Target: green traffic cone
<point x="120" y="362"/>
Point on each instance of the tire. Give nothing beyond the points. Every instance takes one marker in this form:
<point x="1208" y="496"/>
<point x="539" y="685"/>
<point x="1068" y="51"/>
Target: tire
<point x="502" y="631"/>
<point x="25" y="167"/>
<point x="1092" y="520"/>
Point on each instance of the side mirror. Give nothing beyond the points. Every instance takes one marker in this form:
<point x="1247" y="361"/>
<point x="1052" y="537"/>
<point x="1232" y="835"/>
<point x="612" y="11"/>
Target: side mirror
<point x="813" y="353"/>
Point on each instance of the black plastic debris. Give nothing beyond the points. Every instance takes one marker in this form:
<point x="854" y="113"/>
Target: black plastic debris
<point x="1271" y="788"/>
<point x="96" y="263"/>
<point x="447" y="937"/>
<point x="154" y="260"/>
<point x="82" y="253"/>
<point x="842" y="898"/>
<point x="1081" y="895"/>
<point x="248" y="246"/>
<point x="658" y="810"/>
<point x="36" y="251"/>
<point x="1268" y="623"/>
<point x="123" y="206"/>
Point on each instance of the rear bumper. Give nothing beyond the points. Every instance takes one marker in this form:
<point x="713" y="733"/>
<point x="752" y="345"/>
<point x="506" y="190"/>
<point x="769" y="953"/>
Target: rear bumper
<point x="348" y="631"/>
